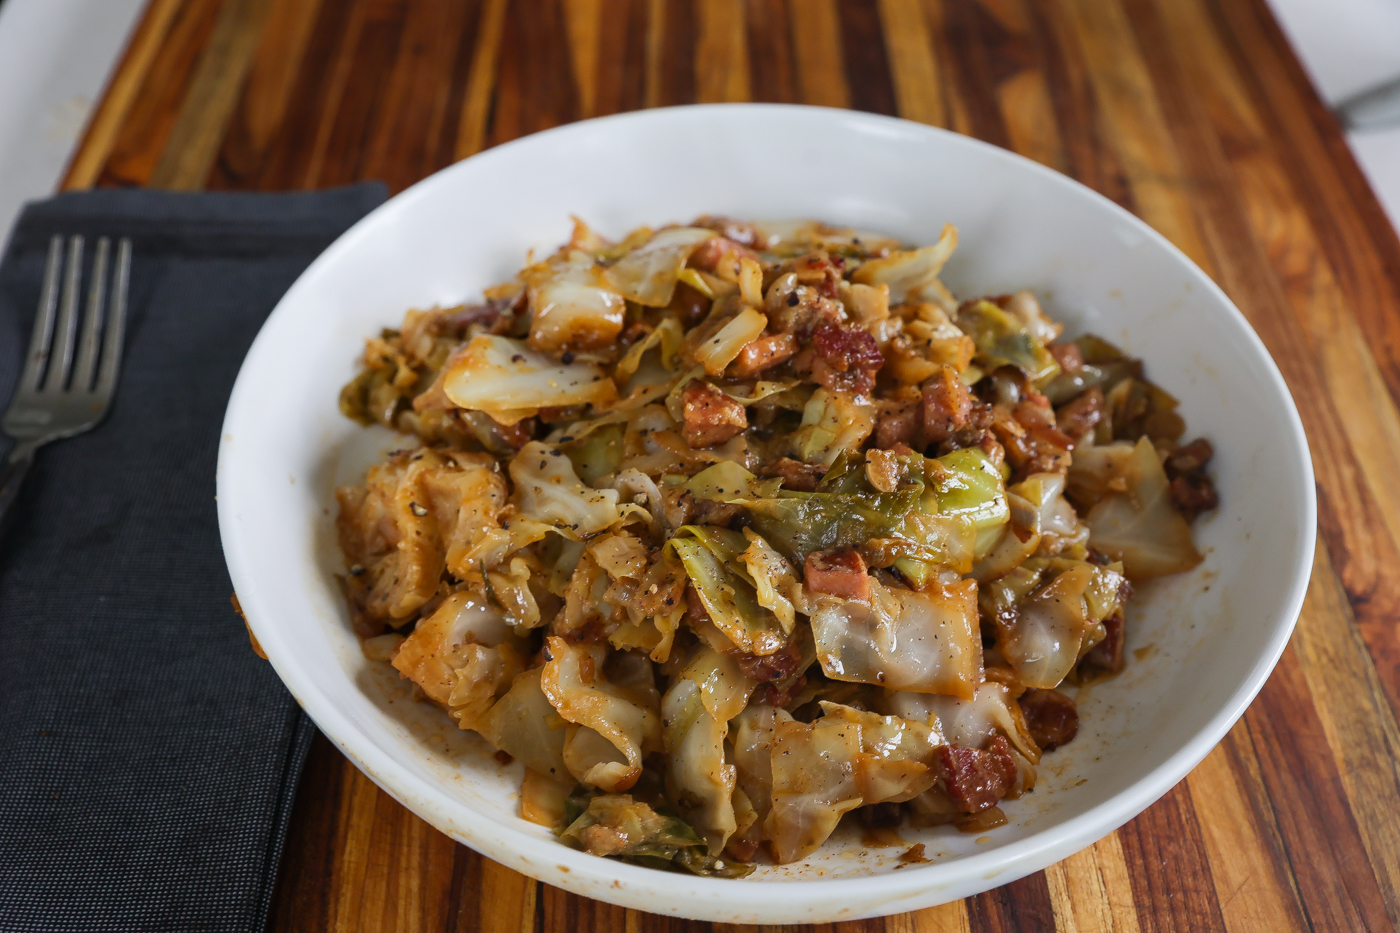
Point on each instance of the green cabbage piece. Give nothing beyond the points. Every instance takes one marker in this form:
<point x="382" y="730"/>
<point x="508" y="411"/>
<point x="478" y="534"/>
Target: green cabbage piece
<point x="649" y="838"/>
<point x="1002" y="340"/>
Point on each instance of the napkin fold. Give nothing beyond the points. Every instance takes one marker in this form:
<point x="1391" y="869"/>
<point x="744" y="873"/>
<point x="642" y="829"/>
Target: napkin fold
<point x="148" y="759"/>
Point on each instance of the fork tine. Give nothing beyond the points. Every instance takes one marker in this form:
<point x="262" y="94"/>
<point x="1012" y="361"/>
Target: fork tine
<point x="116" y="324"/>
<point x="61" y="351"/>
<point x="43" y="320"/>
<point x="92" y="321"/>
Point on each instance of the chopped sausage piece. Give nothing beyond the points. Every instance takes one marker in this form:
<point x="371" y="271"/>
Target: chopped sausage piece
<point x="711" y="417"/>
<point x="1193" y="494"/>
<point x="1050" y="717"/>
<point x="1190" y="457"/>
<point x="976" y="779"/>
<point x="796" y="475"/>
<point x="1191" y="488"/>
<point x="1078" y="417"/>
<point x="897" y="427"/>
<point x="779" y="665"/>
<point x="1068" y="355"/>
<point x="840" y="573"/>
<point x="947" y="405"/>
<point x="883" y="470"/>
<point x="1107" y="656"/>
<point x="763" y="353"/>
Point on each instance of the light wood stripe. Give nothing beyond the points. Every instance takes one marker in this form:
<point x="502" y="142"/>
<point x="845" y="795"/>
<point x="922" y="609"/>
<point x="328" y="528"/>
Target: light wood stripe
<point x="721" y="53"/>
<point x="584" y="20"/>
<point x="106" y="123"/>
<point x="1242" y="840"/>
<point x="816" y="47"/>
<point x="1132" y="123"/>
<point x="1030" y="118"/>
<point x="1091" y="892"/>
<point x="194" y="142"/>
<point x="471" y="129"/>
<point x="506" y="902"/>
<point x="917" y="85"/>
<point x="1360" y="731"/>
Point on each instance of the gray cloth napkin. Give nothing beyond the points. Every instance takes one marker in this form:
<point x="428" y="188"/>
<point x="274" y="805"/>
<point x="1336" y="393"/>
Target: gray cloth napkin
<point x="148" y="759"/>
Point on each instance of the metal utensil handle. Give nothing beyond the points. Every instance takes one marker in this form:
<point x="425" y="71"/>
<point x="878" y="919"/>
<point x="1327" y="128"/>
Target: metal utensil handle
<point x="12" y="478"/>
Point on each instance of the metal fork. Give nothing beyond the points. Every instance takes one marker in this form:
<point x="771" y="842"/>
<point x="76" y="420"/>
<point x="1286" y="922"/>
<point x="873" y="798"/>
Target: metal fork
<point x="60" y="394"/>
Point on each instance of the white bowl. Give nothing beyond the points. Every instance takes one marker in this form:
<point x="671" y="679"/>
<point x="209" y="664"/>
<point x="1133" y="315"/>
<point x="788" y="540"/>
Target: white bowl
<point x="1205" y="641"/>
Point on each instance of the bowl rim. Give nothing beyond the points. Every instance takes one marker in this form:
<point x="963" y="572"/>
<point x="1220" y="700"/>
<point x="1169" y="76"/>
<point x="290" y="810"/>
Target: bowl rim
<point x="752" y="900"/>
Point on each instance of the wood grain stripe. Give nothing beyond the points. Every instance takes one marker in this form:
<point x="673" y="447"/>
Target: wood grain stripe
<point x="622" y="58"/>
<point x="721" y="52"/>
<point x="1169" y="868"/>
<point x="1253" y="883"/>
<point x="864" y="55"/>
<point x="111" y="112"/>
<point x="917" y="86"/>
<point x="772" y="72"/>
<point x="471" y="128"/>
<point x="1090" y="891"/>
<point x="583" y="21"/>
<point x="213" y="93"/>
<point x="816" y="48"/>
<point x="267" y="93"/>
<point x="152" y="114"/>
<point x="1024" y="904"/>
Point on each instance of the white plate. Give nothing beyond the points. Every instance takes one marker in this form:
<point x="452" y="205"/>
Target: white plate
<point x="1206" y="640"/>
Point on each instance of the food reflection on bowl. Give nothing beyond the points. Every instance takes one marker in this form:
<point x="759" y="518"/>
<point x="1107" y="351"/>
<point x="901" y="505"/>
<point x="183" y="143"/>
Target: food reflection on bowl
<point x="1213" y="633"/>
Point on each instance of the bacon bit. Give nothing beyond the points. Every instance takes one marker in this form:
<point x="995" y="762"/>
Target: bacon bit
<point x="883" y="470"/>
<point x="776" y="696"/>
<point x="763" y="353"/>
<point x="839" y="573"/>
<point x="1068" y="355"/>
<point x="711" y="417"/>
<point x="779" y="665"/>
<point x="947" y="406"/>
<point x="1050" y="717"/>
<point x="976" y="779"/>
<point x="1080" y="416"/>
<point x="802" y="477"/>
<point x="847" y="348"/>
<point x="1194" y="493"/>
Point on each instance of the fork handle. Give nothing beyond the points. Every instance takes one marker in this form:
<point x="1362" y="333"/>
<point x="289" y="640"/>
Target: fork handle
<point x="12" y="478"/>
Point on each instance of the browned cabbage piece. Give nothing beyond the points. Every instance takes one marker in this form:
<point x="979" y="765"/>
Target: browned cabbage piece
<point x="572" y="305"/>
<point x="624" y="716"/>
<point x="901" y="639"/>
<point x="463" y="657"/>
<point x="699" y="781"/>
<point x="418" y="514"/>
<point x="1132" y="517"/>
<point x="510" y="380"/>
<point x="814" y="784"/>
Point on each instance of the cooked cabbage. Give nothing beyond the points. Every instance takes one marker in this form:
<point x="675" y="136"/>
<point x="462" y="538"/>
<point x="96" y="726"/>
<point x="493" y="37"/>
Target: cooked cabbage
<point x="572" y="306"/>
<point x="928" y="642"/>
<point x="907" y="272"/>
<point x="548" y="491"/>
<point x="700" y="783"/>
<point x="647" y="274"/>
<point x="510" y="381"/>
<point x="1141" y="525"/>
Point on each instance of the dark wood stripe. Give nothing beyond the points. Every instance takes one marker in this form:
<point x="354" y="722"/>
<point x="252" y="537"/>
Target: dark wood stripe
<point x="445" y="152"/>
<point x="772" y="73"/>
<point x="535" y="89"/>
<point x="1023" y="906"/>
<point x="565" y="913"/>
<point x="675" y="76"/>
<point x="622" y="57"/>
<point x="1172" y="883"/>
<point x="981" y="53"/>
<point x="863" y="52"/>
<point x="347" y="149"/>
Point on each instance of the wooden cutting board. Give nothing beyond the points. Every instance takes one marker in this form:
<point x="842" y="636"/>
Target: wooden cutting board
<point x="1193" y="114"/>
